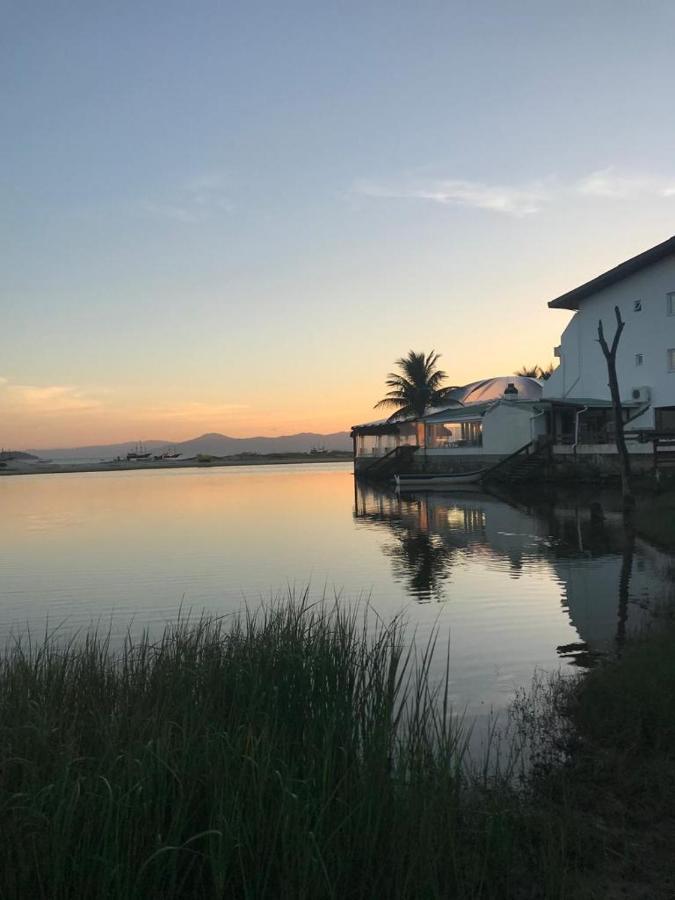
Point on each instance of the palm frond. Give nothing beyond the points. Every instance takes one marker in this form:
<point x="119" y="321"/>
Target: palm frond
<point x="417" y="385"/>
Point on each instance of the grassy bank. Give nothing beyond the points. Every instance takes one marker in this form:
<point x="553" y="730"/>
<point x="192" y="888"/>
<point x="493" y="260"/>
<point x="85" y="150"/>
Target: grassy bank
<point x="619" y="783"/>
<point x="287" y="755"/>
<point x="655" y="518"/>
<point x="293" y="754"/>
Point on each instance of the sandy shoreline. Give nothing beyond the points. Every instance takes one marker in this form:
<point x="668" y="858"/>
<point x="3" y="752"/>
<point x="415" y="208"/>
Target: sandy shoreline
<point x="25" y="467"/>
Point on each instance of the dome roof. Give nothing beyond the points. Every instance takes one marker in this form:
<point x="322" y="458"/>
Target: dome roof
<point x="493" y="389"/>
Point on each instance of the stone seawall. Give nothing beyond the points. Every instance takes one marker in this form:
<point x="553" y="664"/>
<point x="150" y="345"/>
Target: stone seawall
<point x="465" y="463"/>
<point x="589" y="465"/>
<point x="558" y="467"/>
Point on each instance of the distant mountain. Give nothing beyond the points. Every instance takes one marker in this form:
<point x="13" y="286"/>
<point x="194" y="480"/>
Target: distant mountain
<point x="221" y="445"/>
<point x="212" y="444"/>
<point x="8" y="455"/>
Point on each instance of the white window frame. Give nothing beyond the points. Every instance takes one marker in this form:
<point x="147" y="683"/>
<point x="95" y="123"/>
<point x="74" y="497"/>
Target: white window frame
<point x="670" y="303"/>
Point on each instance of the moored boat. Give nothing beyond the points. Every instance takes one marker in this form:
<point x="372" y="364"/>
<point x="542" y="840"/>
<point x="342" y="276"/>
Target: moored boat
<point x="168" y="453"/>
<point x="139" y="453"/>
<point x="430" y="482"/>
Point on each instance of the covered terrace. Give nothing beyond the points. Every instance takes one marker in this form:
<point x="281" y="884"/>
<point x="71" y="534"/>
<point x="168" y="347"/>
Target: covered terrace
<point x="456" y="428"/>
<point x="382" y="436"/>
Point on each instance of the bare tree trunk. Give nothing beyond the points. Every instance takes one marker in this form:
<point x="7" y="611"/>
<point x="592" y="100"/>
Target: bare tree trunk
<point x="624" y="584"/>
<point x="610" y="357"/>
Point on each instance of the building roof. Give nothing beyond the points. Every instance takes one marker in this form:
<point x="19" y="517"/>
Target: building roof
<point x="391" y="426"/>
<point x="381" y="426"/>
<point x="471" y="413"/>
<point x="493" y="389"/>
<point x="572" y="299"/>
<point x="590" y="402"/>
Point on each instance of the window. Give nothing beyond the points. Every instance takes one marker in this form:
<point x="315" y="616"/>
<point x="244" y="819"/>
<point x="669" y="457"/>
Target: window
<point x="665" y="419"/>
<point x="639" y="359"/>
<point x="671" y="360"/>
<point x="637" y="305"/>
<point x="670" y="303"/>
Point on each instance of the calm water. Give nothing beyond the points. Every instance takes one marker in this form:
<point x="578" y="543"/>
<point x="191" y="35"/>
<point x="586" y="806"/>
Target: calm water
<point x="513" y="589"/>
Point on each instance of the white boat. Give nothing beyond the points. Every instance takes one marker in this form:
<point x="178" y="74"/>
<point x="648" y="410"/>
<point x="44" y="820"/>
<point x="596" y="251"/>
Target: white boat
<point x="422" y="482"/>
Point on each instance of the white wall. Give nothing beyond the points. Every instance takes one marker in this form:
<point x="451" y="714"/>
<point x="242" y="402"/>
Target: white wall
<point x="508" y="426"/>
<point x="583" y="371"/>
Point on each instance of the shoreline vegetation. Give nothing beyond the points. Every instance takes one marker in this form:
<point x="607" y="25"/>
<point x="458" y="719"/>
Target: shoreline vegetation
<point x="202" y="461"/>
<point x="654" y="516"/>
<point x="298" y="752"/>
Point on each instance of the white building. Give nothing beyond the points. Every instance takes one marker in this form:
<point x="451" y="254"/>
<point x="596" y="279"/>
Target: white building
<point x="484" y="420"/>
<point x="643" y="288"/>
<point x="571" y="415"/>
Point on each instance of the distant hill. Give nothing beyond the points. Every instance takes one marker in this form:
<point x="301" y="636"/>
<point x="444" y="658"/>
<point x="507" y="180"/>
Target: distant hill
<point x="212" y="444"/>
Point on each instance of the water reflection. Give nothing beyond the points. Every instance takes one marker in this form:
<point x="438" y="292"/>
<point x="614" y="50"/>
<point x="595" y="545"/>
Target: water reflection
<point x="608" y="579"/>
<point x="512" y="588"/>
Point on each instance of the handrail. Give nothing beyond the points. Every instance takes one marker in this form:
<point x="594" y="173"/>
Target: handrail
<point x="508" y="458"/>
<point x="389" y="454"/>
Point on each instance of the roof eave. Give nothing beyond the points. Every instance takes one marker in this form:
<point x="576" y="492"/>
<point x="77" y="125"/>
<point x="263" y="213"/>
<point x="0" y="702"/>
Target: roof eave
<point x="572" y="299"/>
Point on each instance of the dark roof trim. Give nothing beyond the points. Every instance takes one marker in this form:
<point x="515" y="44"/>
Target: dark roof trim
<point x="382" y="428"/>
<point x="572" y="299"/>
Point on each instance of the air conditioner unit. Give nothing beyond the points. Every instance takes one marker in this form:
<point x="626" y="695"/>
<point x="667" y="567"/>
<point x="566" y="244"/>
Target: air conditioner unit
<point x="641" y="394"/>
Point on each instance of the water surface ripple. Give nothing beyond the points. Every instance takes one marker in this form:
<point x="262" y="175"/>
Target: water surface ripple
<point x="513" y="588"/>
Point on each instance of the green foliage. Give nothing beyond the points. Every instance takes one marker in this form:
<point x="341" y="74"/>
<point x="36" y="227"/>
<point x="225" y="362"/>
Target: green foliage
<point x="292" y="754"/>
<point x="543" y="374"/>
<point x="416" y="386"/>
<point x="655" y="516"/>
<point x="303" y="751"/>
<point x="630" y="705"/>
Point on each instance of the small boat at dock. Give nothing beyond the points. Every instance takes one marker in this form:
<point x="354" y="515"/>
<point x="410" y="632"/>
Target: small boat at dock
<point x="424" y="482"/>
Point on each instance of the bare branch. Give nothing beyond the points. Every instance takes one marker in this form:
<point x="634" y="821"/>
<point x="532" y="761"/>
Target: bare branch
<point x="602" y="341"/>
<point x="620" y="325"/>
<point x="610" y="352"/>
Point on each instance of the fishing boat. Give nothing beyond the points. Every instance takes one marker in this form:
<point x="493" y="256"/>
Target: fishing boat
<point x="423" y="482"/>
<point x="138" y="453"/>
<point x="169" y="453"/>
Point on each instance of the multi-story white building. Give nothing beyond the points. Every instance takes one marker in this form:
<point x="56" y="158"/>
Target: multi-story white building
<point x="571" y="414"/>
<point x="643" y="288"/>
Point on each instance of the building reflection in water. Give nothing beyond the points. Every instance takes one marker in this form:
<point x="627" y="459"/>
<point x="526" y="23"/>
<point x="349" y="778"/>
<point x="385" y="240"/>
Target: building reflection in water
<point x="609" y="581"/>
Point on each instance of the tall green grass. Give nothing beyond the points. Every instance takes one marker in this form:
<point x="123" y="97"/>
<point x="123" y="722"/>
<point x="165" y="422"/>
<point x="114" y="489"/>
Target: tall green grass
<point x="294" y="752"/>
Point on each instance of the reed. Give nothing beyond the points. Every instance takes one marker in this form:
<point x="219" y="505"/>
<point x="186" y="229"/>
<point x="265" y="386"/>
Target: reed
<point x="291" y="752"/>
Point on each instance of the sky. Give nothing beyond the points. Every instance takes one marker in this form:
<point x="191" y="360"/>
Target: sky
<point x="235" y="217"/>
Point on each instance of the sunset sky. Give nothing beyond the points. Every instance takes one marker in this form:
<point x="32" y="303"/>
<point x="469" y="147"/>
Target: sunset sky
<point x="235" y="216"/>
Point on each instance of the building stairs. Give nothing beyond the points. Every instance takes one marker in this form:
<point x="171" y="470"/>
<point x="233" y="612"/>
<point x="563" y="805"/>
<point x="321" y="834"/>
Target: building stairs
<point x="530" y="463"/>
<point x="383" y="468"/>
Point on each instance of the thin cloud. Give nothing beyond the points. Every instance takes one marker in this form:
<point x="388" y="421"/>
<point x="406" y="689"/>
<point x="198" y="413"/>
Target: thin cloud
<point x="54" y="399"/>
<point x="30" y="408"/>
<point x="210" y="191"/>
<point x="613" y="183"/>
<point x="513" y="201"/>
<point x="523" y="200"/>
<point x="171" y="211"/>
<point x="197" y="199"/>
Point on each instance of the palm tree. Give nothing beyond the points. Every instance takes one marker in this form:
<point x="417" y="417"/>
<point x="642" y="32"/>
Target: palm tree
<point x="536" y="372"/>
<point x="415" y="387"/>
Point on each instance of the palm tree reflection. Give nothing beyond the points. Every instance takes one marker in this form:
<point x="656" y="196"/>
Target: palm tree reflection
<point x="421" y="558"/>
<point x="422" y="561"/>
<point x="590" y="557"/>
